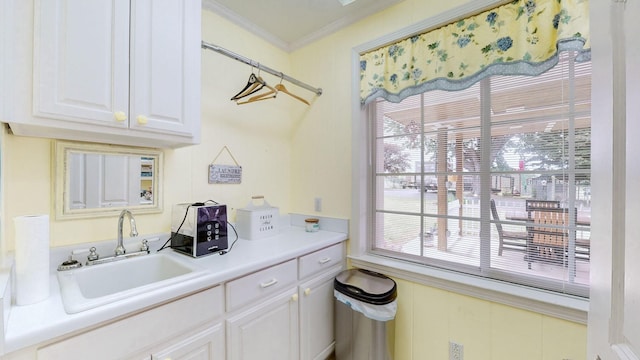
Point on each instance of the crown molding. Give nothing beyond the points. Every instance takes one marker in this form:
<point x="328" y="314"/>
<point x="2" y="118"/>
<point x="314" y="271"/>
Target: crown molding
<point x="223" y="11"/>
<point x="329" y="29"/>
<point x="340" y="24"/>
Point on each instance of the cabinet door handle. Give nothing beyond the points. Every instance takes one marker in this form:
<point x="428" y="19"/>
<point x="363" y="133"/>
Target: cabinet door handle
<point x="120" y="116"/>
<point x="325" y="260"/>
<point x="307" y="291"/>
<point x="294" y="297"/>
<point x="142" y="120"/>
<point x="269" y="283"/>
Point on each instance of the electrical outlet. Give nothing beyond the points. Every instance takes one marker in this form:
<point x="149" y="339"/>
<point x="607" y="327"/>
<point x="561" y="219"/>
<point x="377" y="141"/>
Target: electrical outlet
<point x="317" y="204"/>
<point x="455" y="351"/>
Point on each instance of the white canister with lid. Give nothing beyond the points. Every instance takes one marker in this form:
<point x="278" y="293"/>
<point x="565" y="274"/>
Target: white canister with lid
<point x="311" y="224"/>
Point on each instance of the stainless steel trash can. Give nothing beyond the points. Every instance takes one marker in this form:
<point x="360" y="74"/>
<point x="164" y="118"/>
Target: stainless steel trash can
<point x="364" y="315"/>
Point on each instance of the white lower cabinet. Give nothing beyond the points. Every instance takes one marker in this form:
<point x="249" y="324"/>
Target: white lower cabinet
<point x="317" y="338"/>
<point x="316" y="273"/>
<point x="203" y="345"/>
<point x="140" y="335"/>
<point x="268" y="331"/>
<point x="263" y="314"/>
<point x="297" y="323"/>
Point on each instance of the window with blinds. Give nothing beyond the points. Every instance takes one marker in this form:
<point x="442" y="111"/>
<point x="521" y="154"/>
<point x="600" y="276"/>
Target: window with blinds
<point x="493" y="180"/>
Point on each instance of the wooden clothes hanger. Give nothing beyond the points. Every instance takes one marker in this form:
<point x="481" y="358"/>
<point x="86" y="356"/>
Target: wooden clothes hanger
<point x="271" y="94"/>
<point x="281" y="88"/>
<point x="254" y="100"/>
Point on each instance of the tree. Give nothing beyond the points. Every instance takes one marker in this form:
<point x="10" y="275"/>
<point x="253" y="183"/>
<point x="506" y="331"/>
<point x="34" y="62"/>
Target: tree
<point x="538" y="150"/>
<point x="550" y="150"/>
<point x="411" y="139"/>
<point x="395" y="159"/>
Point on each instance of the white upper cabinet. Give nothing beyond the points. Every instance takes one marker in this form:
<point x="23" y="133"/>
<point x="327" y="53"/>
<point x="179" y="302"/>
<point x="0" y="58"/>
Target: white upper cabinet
<point x="165" y="66"/>
<point x="81" y="61"/>
<point x="112" y="71"/>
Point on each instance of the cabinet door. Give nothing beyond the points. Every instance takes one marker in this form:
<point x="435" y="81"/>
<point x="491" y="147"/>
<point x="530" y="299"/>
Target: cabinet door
<point x="205" y="345"/>
<point x="81" y="60"/>
<point x="165" y="65"/>
<point x="316" y="317"/>
<point x="265" y="332"/>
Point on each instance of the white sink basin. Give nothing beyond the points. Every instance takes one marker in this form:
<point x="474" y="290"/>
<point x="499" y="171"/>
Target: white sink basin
<point x="96" y="285"/>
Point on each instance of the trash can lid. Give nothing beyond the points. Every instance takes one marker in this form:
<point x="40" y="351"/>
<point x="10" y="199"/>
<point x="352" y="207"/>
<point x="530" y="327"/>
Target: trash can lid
<point x="367" y="286"/>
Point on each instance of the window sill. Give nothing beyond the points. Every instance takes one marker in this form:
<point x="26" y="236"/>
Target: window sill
<point x="561" y="306"/>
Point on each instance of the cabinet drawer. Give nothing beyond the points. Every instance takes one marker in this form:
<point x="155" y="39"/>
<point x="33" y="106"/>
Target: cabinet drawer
<point x="322" y="259"/>
<point x="264" y="282"/>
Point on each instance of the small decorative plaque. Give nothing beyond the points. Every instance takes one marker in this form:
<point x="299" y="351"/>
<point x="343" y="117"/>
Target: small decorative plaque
<point x="225" y="174"/>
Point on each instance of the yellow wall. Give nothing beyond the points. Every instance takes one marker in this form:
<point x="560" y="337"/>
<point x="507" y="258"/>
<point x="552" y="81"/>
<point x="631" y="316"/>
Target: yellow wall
<point x="293" y="153"/>
<point x="429" y="318"/>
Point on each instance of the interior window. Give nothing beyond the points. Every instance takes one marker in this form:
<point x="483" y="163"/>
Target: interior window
<point x="492" y="180"/>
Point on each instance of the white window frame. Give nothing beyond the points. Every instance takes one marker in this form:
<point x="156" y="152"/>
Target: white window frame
<point x="562" y="306"/>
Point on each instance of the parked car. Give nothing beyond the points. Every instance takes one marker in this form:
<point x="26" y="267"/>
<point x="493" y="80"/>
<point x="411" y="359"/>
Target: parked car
<point x="430" y="184"/>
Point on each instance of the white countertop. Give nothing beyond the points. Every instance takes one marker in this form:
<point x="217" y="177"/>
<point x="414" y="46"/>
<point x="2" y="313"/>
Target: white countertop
<point x="33" y="324"/>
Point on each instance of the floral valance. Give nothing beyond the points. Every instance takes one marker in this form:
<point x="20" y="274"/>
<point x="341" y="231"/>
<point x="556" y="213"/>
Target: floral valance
<point x="522" y="37"/>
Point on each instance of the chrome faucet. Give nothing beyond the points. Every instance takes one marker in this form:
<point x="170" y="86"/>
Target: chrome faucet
<point x="120" y="253"/>
<point x="120" y="250"/>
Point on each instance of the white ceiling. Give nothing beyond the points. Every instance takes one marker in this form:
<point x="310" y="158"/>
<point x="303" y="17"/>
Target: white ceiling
<point x="291" y="24"/>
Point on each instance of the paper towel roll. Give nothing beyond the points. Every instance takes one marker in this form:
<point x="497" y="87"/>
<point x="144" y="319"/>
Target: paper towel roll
<point x="32" y="258"/>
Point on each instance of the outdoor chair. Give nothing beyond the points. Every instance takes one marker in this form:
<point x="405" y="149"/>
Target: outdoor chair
<point x="548" y="236"/>
<point x="513" y="240"/>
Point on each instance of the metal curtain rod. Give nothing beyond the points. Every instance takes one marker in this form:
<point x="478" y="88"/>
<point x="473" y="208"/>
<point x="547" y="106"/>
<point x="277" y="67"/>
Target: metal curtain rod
<point x="248" y="61"/>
